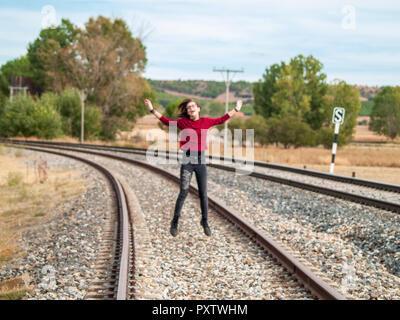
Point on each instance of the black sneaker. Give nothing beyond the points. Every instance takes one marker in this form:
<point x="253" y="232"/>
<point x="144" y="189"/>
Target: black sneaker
<point x="174" y="228"/>
<point x="206" y="228"/>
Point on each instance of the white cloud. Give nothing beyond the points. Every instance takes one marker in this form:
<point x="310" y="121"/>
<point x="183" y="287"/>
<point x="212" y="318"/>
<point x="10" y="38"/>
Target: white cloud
<point x="193" y="35"/>
<point x="366" y="78"/>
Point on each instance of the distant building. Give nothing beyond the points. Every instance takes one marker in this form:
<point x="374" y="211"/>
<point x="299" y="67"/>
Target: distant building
<point x="21" y="85"/>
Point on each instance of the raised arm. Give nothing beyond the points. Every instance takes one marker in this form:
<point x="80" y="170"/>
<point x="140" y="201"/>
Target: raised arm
<point x="236" y="109"/>
<point x="226" y="116"/>
<point x="158" y="115"/>
<point x="151" y="109"/>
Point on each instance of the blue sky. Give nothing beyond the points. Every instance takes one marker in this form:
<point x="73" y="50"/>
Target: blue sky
<point x="357" y="41"/>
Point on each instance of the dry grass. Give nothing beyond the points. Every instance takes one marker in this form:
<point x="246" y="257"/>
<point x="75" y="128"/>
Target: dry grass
<point x="14" y="289"/>
<point x="382" y="174"/>
<point x="363" y="134"/>
<point x="379" y="163"/>
<point x="27" y="199"/>
<point x="364" y="156"/>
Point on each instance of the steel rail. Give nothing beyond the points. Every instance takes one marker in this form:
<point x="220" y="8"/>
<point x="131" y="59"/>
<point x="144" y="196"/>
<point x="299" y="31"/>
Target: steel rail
<point x="311" y="281"/>
<point x="307" y="172"/>
<point x="377" y="203"/>
<point x="123" y="235"/>
<point x="385" y="205"/>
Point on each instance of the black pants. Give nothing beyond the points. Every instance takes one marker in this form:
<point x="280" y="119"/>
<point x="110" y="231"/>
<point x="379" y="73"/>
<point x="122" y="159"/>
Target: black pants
<point x="193" y="163"/>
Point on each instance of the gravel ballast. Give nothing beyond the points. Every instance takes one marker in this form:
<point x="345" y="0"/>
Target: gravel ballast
<point x="61" y="252"/>
<point x="226" y="265"/>
<point x="356" y="246"/>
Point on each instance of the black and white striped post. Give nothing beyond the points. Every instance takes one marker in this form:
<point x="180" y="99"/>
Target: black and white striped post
<point x="337" y="119"/>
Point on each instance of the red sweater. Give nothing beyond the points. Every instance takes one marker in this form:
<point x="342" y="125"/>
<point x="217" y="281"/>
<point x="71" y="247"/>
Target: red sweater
<point x="194" y="129"/>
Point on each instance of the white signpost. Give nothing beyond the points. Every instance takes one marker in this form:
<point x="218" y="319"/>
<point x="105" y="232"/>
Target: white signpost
<point x="337" y="119"/>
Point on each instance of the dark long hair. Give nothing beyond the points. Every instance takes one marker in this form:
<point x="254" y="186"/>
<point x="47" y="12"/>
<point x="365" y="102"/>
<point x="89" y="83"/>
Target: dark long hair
<point x="182" y="108"/>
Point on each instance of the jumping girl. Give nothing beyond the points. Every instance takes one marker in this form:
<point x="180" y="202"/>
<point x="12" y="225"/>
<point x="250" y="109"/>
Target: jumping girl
<point x="193" y="143"/>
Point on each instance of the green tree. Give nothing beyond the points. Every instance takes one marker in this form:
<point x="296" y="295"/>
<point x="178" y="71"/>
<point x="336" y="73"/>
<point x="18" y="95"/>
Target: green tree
<point x="48" y="43"/>
<point x="340" y="94"/>
<point x="291" y="96"/>
<point x="298" y="91"/>
<point x="385" y="115"/>
<point x="297" y="88"/>
<point x="263" y="92"/>
<point x="104" y="62"/>
<point x="16" y="67"/>
<point x="3" y="100"/>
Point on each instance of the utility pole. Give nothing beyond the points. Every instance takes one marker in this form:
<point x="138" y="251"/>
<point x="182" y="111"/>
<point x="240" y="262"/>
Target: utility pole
<point x="227" y="83"/>
<point x="82" y="94"/>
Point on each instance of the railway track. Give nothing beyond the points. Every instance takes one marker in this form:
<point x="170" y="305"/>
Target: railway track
<point x="124" y="250"/>
<point x="120" y="266"/>
<point x="327" y="176"/>
<point x="391" y="203"/>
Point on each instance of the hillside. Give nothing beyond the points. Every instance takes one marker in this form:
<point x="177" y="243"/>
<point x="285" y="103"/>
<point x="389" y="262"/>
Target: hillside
<point x="368" y="93"/>
<point x="214" y="90"/>
<point x="207" y="90"/>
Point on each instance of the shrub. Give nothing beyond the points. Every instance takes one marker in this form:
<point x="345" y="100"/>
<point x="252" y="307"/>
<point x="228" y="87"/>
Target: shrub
<point x="47" y="120"/>
<point x="69" y="106"/>
<point x="259" y="124"/>
<point x="326" y="135"/>
<point x="16" y="119"/>
<point x="25" y="117"/>
<point x="290" y="130"/>
<point x="92" y="123"/>
<point x="236" y="123"/>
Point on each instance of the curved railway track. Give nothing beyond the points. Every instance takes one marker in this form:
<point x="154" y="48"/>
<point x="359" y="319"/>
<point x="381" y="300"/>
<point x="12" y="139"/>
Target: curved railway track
<point x="349" y="196"/>
<point x="120" y="278"/>
<point x="124" y="249"/>
<point x="306" y="172"/>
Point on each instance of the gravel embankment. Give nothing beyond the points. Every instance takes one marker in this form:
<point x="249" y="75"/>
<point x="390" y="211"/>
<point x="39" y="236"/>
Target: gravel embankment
<point x="61" y="252"/>
<point x="356" y="246"/>
<point x="226" y="265"/>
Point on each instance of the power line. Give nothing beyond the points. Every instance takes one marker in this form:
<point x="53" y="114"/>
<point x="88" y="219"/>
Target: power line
<point x="227" y="83"/>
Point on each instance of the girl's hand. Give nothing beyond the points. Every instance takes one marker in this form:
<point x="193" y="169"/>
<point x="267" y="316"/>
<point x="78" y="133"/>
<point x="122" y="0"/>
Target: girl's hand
<point x="239" y="104"/>
<point x="148" y="104"/>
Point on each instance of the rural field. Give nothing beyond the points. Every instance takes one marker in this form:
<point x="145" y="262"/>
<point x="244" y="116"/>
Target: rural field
<point x="370" y="156"/>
